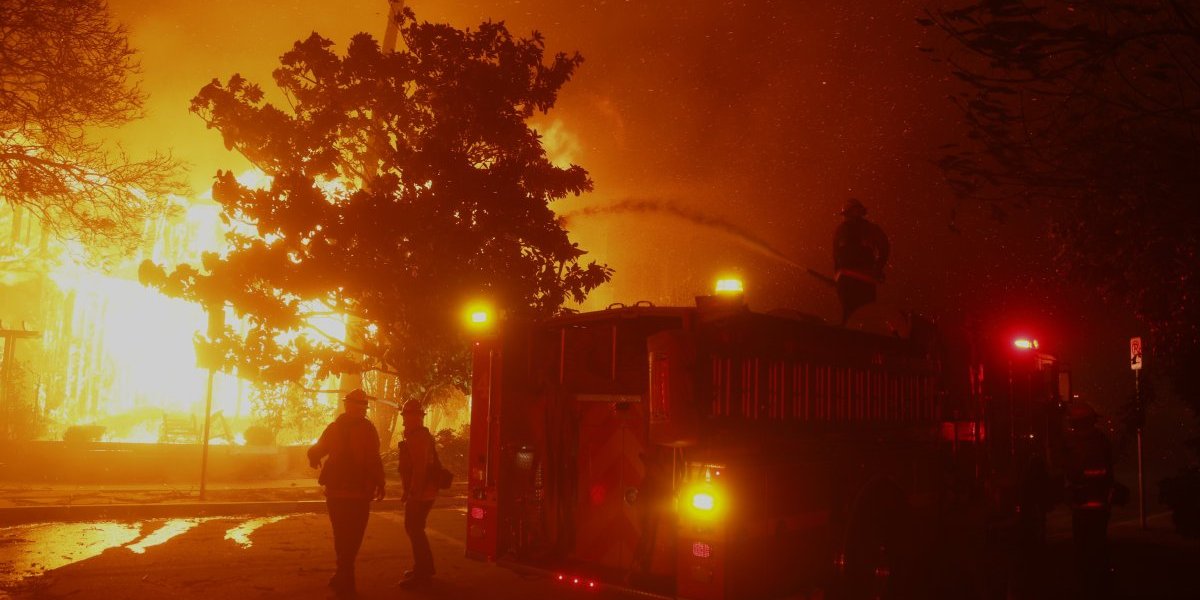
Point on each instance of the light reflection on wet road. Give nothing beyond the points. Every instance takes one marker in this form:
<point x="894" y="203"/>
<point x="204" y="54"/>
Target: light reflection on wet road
<point x="161" y="535"/>
<point x="241" y="534"/>
<point x="30" y="550"/>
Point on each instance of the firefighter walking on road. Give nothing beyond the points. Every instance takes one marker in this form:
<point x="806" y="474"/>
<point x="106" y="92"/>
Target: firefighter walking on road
<point x="418" y="465"/>
<point x="1090" y="486"/>
<point x="860" y="254"/>
<point x="352" y="476"/>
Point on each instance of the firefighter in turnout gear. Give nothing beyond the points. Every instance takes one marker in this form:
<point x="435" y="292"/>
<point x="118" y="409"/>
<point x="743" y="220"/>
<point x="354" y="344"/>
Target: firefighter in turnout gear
<point x="418" y="464"/>
<point x="352" y="476"/>
<point x="1090" y="487"/>
<point x="860" y="254"/>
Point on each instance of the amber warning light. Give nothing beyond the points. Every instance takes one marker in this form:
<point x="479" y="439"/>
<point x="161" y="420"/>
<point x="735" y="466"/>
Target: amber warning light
<point x="478" y="317"/>
<point x="703" y="501"/>
<point x="729" y="286"/>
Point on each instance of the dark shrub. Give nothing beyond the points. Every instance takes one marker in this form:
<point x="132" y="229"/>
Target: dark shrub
<point x="1182" y="494"/>
<point x="259" y="435"/>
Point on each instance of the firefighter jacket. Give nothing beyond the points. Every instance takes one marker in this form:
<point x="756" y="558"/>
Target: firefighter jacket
<point x="418" y="464"/>
<point x="354" y="468"/>
<point x="860" y="250"/>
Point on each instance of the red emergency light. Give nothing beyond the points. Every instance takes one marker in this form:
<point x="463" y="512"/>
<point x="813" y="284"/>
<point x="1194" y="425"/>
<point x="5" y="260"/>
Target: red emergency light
<point x="1024" y="343"/>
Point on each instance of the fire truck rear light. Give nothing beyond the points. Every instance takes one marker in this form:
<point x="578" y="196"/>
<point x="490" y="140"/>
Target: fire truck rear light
<point x="477" y="512"/>
<point x="701" y="550"/>
<point x="702" y="501"/>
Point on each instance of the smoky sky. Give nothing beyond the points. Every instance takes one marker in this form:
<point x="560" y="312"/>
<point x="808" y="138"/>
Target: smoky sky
<point x="739" y="127"/>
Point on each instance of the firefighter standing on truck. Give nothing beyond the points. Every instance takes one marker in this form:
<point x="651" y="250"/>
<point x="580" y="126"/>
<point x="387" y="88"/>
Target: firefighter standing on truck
<point x="1090" y="485"/>
<point x="860" y="253"/>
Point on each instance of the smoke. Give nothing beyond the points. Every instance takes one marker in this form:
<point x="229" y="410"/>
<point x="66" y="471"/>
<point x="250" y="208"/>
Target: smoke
<point x="695" y="217"/>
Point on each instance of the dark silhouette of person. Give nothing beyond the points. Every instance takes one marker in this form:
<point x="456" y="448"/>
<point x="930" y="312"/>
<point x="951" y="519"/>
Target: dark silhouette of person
<point x="352" y="476"/>
<point x="417" y="461"/>
<point x="860" y="253"/>
<point x="1090" y="485"/>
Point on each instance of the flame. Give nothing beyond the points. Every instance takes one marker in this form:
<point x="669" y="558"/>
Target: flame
<point x="122" y="356"/>
<point x="126" y="352"/>
<point x="255" y="179"/>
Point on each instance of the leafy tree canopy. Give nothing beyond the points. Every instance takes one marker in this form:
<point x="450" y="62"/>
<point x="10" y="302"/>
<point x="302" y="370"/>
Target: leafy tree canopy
<point x="1090" y="113"/>
<point x="64" y="70"/>
<point x="401" y="185"/>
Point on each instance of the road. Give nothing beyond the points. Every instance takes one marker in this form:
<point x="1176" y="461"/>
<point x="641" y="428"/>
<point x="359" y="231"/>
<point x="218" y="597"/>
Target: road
<point x="291" y="556"/>
<point x="264" y="557"/>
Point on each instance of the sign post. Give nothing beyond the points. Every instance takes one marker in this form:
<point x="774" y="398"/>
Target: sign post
<point x="1135" y="363"/>
<point x="216" y="329"/>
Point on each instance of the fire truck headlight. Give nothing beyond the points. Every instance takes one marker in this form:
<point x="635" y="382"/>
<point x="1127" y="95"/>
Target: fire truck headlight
<point x="703" y="501"/>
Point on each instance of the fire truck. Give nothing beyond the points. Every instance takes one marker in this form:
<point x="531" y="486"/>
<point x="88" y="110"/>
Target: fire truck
<point x="710" y="452"/>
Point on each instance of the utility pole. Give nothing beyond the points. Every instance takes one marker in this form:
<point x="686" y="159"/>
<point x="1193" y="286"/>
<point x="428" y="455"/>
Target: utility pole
<point x="355" y="325"/>
<point x="1135" y="363"/>
<point x="216" y="328"/>
<point x="7" y="363"/>
<point x="395" y="7"/>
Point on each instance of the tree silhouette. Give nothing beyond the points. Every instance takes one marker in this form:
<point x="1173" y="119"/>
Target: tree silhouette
<point x="64" y="71"/>
<point x="401" y="185"/>
<point x="1089" y="112"/>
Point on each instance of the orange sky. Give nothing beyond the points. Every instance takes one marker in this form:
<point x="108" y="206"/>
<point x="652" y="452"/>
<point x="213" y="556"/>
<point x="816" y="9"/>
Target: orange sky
<point x="759" y="116"/>
<point x="762" y="116"/>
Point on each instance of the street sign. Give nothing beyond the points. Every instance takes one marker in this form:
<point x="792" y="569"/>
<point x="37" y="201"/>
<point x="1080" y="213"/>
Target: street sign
<point x="1135" y="353"/>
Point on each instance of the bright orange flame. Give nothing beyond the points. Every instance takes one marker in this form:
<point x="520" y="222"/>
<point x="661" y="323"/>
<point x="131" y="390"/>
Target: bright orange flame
<point x="127" y="354"/>
<point x="129" y="358"/>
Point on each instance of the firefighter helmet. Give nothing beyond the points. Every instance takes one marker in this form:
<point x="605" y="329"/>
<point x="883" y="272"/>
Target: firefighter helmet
<point x="413" y="407"/>
<point x="854" y="208"/>
<point x="357" y="395"/>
